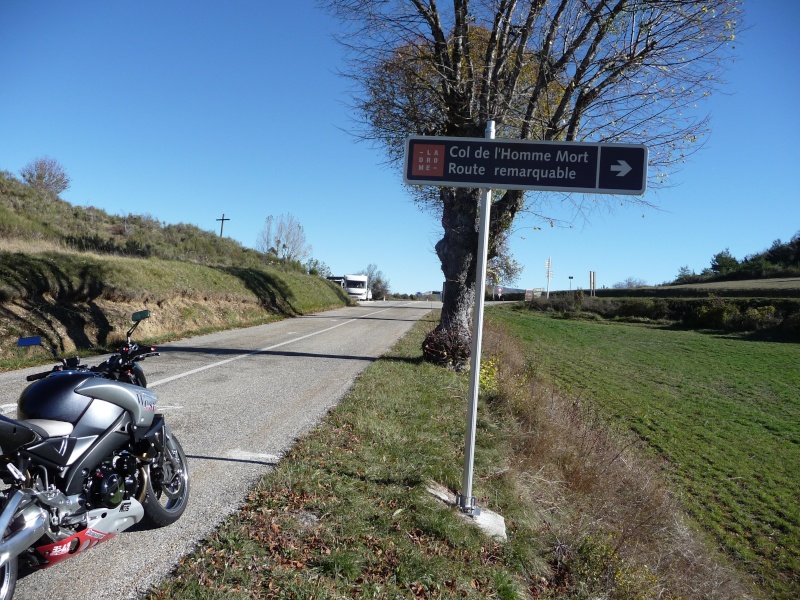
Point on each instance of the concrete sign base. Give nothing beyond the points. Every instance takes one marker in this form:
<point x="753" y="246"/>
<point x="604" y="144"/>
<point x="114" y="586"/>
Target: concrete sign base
<point x="491" y="523"/>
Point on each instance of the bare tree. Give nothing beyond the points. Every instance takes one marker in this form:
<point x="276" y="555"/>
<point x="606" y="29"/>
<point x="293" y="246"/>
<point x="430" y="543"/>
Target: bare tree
<point x="285" y="238"/>
<point x="318" y="267"/>
<point x="631" y="283"/>
<point x="378" y="283"/>
<point x="47" y="174"/>
<point x="264" y="238"/>
<point x="569" y="70"/>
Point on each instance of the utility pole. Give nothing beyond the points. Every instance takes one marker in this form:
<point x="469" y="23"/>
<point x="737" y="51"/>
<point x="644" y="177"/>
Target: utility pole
<point x="221" y="225"/>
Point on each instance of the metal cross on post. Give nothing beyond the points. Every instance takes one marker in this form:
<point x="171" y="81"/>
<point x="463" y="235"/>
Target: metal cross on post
<point x="221" y="225"/>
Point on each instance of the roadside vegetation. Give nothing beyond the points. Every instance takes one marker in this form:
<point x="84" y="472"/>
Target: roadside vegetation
<point x="758" y="316"/>
<point x="347" y="514"/>
<point x="781" y="259"/>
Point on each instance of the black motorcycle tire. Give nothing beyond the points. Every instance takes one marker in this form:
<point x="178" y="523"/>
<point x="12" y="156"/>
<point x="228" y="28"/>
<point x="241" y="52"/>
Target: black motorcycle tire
<point x="173" y="494"/>
<point x="137" y="376"/>
<point x="8" y="578"/>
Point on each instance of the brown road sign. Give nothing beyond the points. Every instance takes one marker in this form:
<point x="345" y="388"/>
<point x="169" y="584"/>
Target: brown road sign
<point x="514" y="164"/>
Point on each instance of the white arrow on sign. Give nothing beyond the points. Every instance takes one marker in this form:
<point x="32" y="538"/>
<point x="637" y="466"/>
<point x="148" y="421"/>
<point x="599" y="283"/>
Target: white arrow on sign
<point x="622" y="168"/>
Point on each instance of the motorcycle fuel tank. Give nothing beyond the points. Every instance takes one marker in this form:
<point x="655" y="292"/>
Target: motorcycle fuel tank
<point x="138" y="401"/>
<point x="66" y="396"/>
<point x="54" y="397"/>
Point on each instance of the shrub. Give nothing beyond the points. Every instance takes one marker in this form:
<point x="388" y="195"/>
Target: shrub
<point x="598" y="568"/>
<point x="488" y="375"/>
<point x="728" y="314"/>
<point x="763" y="317"/>
<point x="719" y="315"/>
<point x="792" y="323"/>
<point x="446" y="348"/>
<point x="643" y="308"/>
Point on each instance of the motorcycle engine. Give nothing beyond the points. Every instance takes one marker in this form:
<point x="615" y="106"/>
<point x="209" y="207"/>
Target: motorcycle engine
<point x="113" y="481"/>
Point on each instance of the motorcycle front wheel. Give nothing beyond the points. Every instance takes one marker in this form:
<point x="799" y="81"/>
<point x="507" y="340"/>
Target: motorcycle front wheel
<point x="8" y="578"/>
<point x="167" y="486"/>
<point x="137" y="376"/>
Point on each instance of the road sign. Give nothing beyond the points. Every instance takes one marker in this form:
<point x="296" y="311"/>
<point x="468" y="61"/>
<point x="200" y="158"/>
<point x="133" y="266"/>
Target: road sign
<point x="520" y="165"/>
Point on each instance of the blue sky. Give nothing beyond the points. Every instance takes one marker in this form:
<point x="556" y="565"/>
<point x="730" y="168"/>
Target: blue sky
<point x="190" y="110"/>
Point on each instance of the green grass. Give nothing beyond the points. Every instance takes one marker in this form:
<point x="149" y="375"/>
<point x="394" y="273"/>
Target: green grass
<point x="722" y="410"/>
<point x="72" y="276"/>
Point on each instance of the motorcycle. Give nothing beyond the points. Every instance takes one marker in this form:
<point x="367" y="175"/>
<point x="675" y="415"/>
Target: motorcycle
<point x="87" y="457"/>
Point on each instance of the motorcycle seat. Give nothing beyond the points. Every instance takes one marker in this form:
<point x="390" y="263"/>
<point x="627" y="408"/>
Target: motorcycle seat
<point x="50" y="427"/>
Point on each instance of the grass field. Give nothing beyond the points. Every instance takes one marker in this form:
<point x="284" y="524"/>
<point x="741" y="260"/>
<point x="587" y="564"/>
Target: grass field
<point x="723" y="411"/>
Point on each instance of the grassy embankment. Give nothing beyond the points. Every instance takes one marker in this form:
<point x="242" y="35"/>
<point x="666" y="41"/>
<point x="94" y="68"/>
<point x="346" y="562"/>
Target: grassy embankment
<point x="346" y="513"/>
<point x="75" y="273"/>
<point x="81" y="300"/>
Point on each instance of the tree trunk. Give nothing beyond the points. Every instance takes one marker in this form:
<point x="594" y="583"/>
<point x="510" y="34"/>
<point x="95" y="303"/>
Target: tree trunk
<point x="449" y="344"/>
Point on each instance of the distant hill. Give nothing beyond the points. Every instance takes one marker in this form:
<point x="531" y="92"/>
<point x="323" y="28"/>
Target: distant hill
<point x="776" y="287"/>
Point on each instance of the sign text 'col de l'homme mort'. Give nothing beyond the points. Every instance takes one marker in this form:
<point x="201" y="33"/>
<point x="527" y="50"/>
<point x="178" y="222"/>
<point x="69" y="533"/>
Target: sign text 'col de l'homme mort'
<point x="514" y="164"/>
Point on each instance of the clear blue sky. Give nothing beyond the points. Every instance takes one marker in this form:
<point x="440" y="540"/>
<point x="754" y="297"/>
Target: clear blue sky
<point x="188" y="110"/>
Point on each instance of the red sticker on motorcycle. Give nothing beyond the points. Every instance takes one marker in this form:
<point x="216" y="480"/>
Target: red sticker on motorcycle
<point x="88" y="538"/>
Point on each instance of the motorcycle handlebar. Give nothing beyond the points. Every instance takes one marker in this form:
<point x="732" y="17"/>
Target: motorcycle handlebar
<point x="137" y="355"/>
<point x="124" y="361"/>
<point x="37" y="376"/>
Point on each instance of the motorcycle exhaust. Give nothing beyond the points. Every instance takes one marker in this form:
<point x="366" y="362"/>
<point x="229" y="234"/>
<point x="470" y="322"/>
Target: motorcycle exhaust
<point x="33" y="527"/>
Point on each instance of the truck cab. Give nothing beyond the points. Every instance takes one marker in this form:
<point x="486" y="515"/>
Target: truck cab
<point x="357" y="287"/>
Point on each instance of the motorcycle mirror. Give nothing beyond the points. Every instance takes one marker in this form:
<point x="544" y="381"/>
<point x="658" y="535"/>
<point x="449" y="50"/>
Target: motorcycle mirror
<point x="137" y="317"/>
<point x="140" y="316"/>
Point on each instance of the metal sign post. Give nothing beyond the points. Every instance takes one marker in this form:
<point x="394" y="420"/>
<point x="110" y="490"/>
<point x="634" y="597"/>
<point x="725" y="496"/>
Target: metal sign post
<point x="548" y="273"/>
<point x="466" y="502"/>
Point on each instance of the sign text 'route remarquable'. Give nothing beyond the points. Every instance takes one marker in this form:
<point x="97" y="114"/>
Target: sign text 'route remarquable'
<point x="514" y="164"/>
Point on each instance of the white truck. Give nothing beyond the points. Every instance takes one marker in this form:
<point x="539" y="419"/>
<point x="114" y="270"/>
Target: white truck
<point x="357" y="286"/>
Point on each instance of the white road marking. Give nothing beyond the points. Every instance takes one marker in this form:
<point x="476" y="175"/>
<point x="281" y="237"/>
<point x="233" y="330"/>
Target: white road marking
<point x="265" y="349"/>
<point x="239" y="454"/>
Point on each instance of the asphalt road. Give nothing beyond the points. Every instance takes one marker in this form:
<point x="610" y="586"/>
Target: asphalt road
<point x="236" y="400"/>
